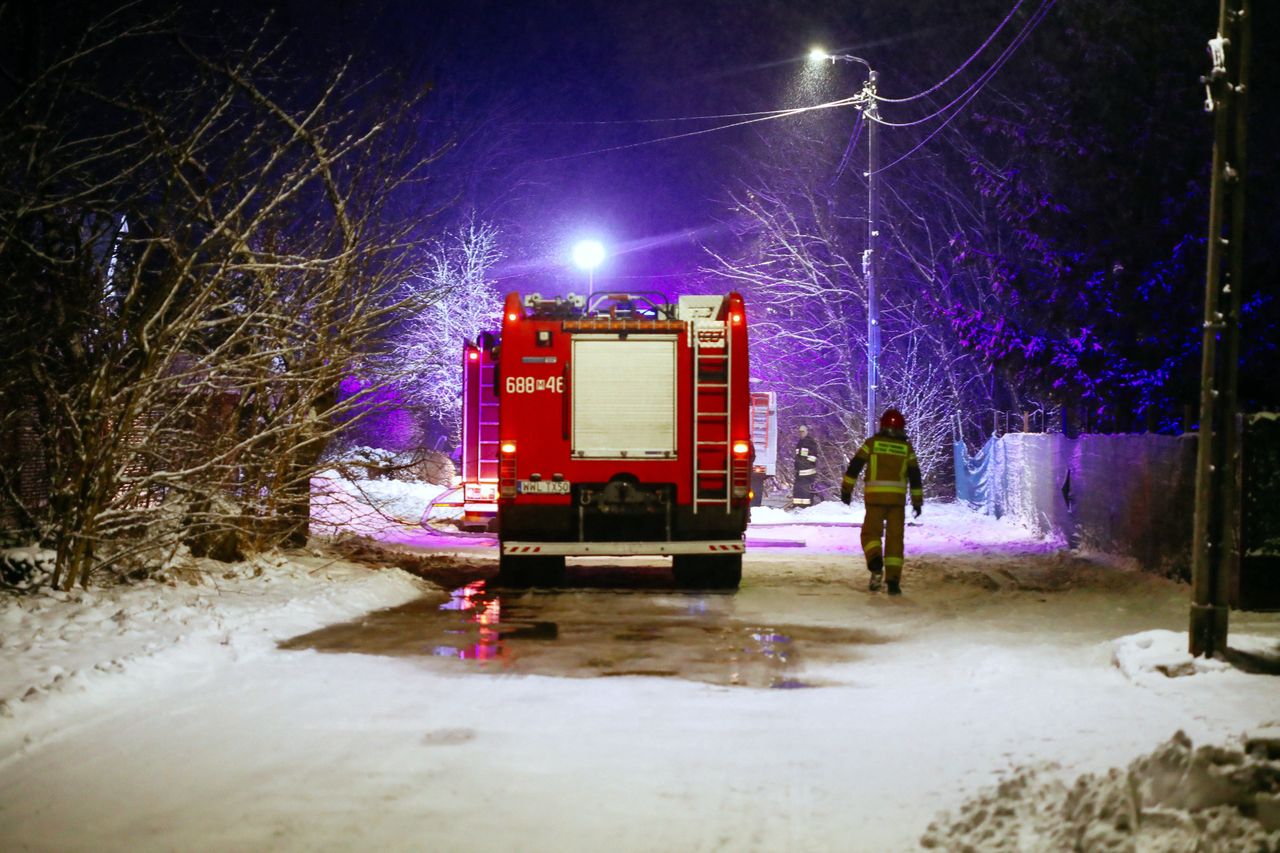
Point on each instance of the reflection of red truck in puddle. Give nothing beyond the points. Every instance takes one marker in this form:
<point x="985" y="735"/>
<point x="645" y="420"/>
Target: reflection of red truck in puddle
<point x="623" y="429"/>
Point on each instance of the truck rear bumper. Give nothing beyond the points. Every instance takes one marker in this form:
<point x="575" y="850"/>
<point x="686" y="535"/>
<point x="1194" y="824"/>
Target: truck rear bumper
<point x="621" y="549"/>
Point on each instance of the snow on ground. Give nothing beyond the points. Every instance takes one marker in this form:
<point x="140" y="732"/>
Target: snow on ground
<point x="942" y="529"/>
<point x="69" y="645"/>
<point x="164" y="716"/>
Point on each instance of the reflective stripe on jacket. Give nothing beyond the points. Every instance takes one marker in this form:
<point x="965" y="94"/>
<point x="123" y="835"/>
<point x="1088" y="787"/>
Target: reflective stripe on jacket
<point x="806" y="457"/>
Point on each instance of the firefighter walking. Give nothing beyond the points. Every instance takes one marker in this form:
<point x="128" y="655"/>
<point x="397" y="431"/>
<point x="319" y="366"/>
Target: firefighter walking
<point x="806" y="469"/>
<point x="891" y="466"/>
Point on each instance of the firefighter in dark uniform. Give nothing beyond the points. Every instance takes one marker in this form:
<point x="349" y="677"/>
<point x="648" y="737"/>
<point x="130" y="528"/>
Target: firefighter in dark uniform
<point x="891" y="465"/>
<point x="806" y="469"/>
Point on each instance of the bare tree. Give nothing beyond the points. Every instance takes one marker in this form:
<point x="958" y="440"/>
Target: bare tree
<point x="459" y="301"/>
<point x="193" y="264"/>
<point x="802" y="231"/>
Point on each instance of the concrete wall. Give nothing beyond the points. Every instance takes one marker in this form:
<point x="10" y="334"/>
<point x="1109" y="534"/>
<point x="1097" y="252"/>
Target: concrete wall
<point x="1131" y="495"/>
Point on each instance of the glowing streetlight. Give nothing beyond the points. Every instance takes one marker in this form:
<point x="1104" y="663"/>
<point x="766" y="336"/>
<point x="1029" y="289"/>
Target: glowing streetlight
<point x="587" y="255"/>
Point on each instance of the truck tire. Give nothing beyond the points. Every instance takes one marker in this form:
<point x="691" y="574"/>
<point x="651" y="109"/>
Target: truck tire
<point x="696" y="571"/>
<point x="522" y="572"/>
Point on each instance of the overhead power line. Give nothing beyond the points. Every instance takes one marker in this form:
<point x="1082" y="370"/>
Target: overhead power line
<point x="973" y="91"/>
<point x="959" y="102"/>
<point x="944" y="81"/>
<point x="667" y="120"/>
<point x="986" y="75"/>
<point x="843" y="102"/>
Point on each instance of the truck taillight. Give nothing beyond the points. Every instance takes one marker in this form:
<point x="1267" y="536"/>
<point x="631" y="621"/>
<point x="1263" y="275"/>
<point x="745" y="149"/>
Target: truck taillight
<point x="740" y="469"/>
<point x="507" y="469"/>
<point x="513" y="316"/>
<point x="735" y="318"/>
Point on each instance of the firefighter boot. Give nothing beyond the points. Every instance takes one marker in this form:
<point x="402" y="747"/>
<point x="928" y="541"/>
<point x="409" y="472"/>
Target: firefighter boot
<point x="875" y="565"/>
<point x="895" y="588"/>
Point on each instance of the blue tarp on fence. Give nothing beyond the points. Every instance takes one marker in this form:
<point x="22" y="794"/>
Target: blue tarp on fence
<point x="973" y="475"/>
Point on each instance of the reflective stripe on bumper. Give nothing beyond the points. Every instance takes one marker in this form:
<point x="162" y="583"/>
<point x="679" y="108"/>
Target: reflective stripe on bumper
<point x="622" y="549"/>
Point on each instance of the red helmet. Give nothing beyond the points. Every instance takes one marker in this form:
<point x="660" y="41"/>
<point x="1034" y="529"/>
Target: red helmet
<point x="892" y="419"/>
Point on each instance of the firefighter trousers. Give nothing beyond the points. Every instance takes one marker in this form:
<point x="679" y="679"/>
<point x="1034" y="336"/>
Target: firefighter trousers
<point x="802" y="494"/>
<point x="885" y="520"/>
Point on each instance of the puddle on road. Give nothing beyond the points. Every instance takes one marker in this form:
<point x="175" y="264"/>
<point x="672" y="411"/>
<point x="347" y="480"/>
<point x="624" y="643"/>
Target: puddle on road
<point x="594" y="634"/>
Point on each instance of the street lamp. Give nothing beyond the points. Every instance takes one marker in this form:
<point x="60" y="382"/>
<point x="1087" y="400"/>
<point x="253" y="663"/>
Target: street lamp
<point x="866" y="101"/>
<point x="587" y="255"/>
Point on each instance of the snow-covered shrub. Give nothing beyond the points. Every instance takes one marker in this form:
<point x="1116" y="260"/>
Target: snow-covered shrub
<point x="26" y="568"/>
<point x="375" y="463"/>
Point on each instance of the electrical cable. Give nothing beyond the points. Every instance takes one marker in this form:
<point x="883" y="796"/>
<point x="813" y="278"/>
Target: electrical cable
<point x="848" y="149"/>
<point x="768" y="115"/>
<point x="843" y="102"/>
<point x="653" y="120"/>
<point x="1033" y="22"/>
<point x="986" y="76"/>
<point x="982" y="47"/>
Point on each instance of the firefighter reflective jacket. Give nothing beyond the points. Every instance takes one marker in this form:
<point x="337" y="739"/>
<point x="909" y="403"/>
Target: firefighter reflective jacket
<point x="806" y="457"/>
<point x="891" y="463"/>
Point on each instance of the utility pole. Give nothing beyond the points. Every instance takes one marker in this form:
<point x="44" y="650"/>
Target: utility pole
<point x="1215" y="539"/>
<point x="871" y="256"/>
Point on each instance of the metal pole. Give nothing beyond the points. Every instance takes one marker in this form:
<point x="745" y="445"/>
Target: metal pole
<point x="870" y="258"/>
<point x="1214" y="529"/>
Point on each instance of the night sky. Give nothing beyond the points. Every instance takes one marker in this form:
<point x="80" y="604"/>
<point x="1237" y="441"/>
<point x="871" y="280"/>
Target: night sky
<point x="558" y="80"/>
<point x="528" y="89"/>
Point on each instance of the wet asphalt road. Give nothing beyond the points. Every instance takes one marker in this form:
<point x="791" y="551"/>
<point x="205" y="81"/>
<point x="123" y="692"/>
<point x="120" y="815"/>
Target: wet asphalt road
<point x="796" y="614"/>
<point x="600" y="632"/>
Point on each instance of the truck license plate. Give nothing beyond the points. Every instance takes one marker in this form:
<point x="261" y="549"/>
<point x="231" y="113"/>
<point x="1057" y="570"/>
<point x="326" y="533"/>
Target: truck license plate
<point x="543" y="487"/>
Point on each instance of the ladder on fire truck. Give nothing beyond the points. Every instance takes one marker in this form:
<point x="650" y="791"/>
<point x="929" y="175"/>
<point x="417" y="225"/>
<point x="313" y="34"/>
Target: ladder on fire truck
<point x="712" y="398"/>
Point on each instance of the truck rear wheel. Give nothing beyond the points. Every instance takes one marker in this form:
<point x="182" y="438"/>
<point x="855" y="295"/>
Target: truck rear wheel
<point x="697" y="571"/>
<point x="522" y="571"/>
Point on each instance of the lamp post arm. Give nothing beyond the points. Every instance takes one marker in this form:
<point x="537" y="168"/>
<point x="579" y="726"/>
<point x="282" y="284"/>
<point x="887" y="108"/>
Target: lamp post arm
<point x="844" y="57"/>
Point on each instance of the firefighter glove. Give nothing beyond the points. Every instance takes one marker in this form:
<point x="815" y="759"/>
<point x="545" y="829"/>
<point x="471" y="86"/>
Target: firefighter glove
<point x="846" y="495"/>
<point x="915" y="510"/>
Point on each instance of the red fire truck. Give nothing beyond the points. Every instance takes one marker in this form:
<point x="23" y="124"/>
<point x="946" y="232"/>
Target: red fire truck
<point x="623" y="429"/>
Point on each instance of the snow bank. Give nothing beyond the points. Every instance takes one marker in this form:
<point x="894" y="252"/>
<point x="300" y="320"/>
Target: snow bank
<point x="1161" y="654"/>
<point x="57" y="645"/>
<point x="1176" y="798"/>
